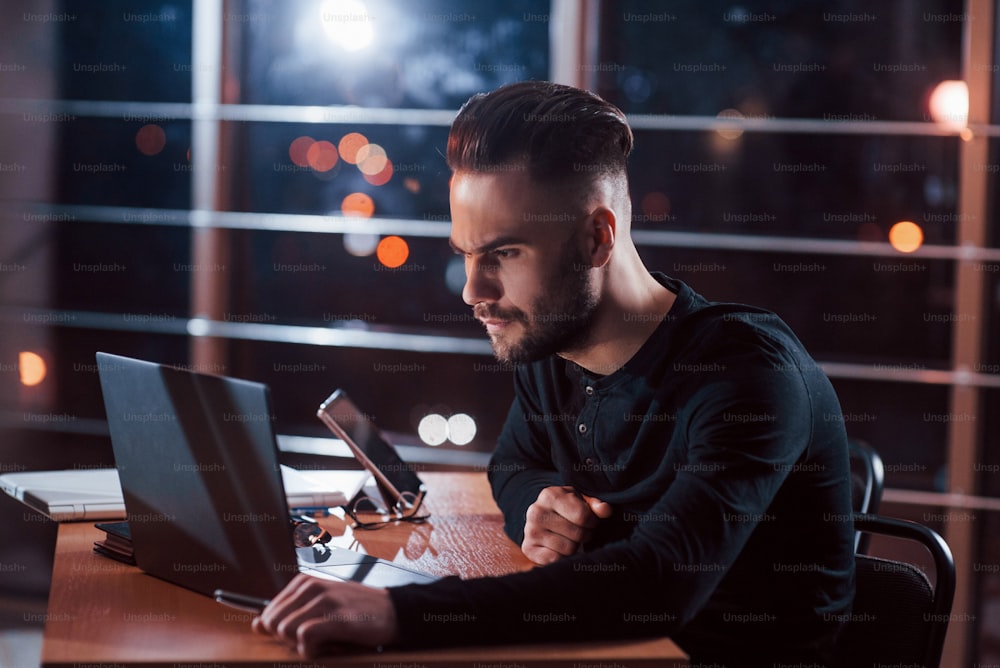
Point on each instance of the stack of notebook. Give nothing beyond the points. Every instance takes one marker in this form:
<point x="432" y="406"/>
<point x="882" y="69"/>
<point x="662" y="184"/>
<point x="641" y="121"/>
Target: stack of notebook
<point x="117" y="543"/>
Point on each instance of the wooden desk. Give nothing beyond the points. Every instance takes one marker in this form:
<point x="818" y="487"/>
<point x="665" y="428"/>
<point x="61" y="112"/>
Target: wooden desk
<point x="109" y="615"/>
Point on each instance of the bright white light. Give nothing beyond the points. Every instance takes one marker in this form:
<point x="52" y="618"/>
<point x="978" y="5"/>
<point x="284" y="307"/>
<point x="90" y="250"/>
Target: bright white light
<point x="347" y="23"/>
<point x="461" y="428"/>
<point x="949" y="103"/>
<point x="433" y="429"/>
<point x="360" y="244"/>
<point x="198" y="327"/>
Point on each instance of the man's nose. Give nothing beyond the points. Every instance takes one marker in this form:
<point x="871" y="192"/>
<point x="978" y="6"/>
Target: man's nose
<point x="481" y="282"/>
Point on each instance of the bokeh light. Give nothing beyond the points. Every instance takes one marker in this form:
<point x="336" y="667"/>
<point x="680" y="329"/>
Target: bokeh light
<point x="347" y="23"/>
<point x="906" y="236"/>
<point x="433" y="429"/>
<point x="461" y="429"/>
<point x="322" y="156"/>
<point x="371" y="159"/>
<point x="392" y="251"/>
<point x="358" y="205"/>
<point x="150" y="139"/>
<point x="949" y="103"/>
<point x="733" y="131"/>
<point x="349" y="146"/>
<point x="655" y="206"/>
<point x="298" y="150"/>
<point x="382" y="177"/>
<point x="454" y="276"/>
<point x="360" y="244"/>
<point x="31" y="367"/>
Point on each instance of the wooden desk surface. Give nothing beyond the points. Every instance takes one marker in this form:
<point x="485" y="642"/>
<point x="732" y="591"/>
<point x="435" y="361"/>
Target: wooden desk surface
<point x="105" y="614"/>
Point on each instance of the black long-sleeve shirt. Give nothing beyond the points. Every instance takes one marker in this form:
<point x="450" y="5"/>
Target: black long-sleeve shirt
<point x="721" y="447"/>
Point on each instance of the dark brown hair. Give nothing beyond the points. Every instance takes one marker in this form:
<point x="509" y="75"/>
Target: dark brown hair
<point x="559" y="133"/>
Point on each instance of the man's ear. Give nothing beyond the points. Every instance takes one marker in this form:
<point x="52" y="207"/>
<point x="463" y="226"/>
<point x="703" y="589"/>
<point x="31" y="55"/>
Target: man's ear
<point x="603" y="229"/>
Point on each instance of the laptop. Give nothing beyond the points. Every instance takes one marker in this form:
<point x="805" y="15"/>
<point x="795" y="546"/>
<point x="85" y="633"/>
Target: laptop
<point x="75" y="495"/>
<point x="198" y="465"/>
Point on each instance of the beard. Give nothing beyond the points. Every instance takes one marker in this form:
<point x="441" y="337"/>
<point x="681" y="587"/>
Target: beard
<point x="560" y="318"/>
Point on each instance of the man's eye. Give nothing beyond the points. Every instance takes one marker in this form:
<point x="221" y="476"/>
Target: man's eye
<point x="505" y="252"/>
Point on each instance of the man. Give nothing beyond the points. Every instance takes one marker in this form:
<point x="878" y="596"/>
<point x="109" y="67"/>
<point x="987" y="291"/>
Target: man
<point x="675" y="466"/>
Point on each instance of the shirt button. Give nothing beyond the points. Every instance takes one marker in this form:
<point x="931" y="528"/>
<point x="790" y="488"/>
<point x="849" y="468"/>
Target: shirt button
<point x="582" y="428"/>
<point x="589" y="461"/>
<point x="589" y="390"/>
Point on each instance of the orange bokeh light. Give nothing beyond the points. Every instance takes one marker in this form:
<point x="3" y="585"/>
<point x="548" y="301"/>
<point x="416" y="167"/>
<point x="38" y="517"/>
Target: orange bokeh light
<point x="322" y="156"/>
<point x="655" y="206"/>
<point x="298" y="150"/>
<point x="349" y="146"/>
<point x="392" y="251"/>
<point x="906" y="236"/>
<point x="31" y="367"/>
<point x="358" y="205"/>
<point x="382" y="177"/>
<point x="150" y="139"/>
<point x="734" y="131"/>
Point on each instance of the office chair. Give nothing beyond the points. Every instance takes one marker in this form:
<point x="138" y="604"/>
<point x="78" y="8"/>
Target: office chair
<point x="867" y="478"/>
<point x="898" y="617"/>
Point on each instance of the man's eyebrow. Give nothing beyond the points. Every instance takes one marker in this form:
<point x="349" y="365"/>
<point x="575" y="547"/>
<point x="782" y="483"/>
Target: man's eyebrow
<point x="508" y="240"/>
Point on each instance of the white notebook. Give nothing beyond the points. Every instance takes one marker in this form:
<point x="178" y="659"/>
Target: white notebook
<point x="96" y="494"/>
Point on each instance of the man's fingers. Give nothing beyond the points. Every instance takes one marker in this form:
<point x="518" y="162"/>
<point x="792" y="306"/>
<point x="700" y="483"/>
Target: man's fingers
<point x="543" y="520"/>
<point x="541" y="555"/>
<point x="558" y="522"/>
<point x="288" y="602"/>
<point x="289" y="627"/>
<point x="291" y="593"/>
<point x="313" y="616"/>
<point x="550" y="543"/>
<point x="601" y="509"/>
<point x="316" y="637"/>
<point x="571" y="506"/>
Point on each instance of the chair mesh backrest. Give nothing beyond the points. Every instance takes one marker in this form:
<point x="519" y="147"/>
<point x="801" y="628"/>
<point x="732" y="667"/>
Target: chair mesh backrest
<point x="892" y="616"/>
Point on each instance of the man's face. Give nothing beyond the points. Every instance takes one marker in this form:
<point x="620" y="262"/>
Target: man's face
<point x="526" y="266"/>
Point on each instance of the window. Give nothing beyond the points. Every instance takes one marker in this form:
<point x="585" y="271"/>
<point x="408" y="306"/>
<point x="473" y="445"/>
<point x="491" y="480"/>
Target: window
<point x="210" y="183"/>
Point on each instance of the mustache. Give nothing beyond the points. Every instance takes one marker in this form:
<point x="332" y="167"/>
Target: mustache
<point x="494" y="312"/>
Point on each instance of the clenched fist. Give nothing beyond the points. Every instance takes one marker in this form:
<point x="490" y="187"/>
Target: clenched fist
<point x="558" y="522"/>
